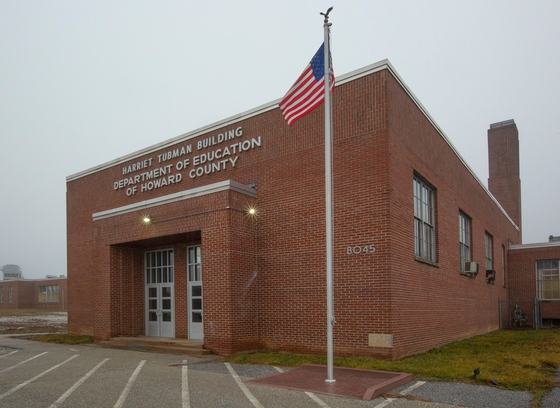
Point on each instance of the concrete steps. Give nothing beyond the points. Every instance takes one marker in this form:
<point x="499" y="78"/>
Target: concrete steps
<point x="184" y="347"/>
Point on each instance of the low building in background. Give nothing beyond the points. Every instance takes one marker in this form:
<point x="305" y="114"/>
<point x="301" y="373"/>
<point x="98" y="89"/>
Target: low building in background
<point x="50" y="293"/>
<point x="534" y="289"/>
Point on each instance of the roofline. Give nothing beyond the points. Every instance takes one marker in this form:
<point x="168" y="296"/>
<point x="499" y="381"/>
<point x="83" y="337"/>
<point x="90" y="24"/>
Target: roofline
<point x="535" y="245"/>
<point x="33" y="280"/>
<point x="370" y="69"/>
<point x="351" y="76"/>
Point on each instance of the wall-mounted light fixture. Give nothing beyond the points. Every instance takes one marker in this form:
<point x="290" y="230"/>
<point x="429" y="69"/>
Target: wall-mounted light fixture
<point x="147" y="219"/>
<point x="251" y="211"/>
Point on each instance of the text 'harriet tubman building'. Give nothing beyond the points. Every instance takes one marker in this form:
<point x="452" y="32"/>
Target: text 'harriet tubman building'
<point x="420" y="244"/>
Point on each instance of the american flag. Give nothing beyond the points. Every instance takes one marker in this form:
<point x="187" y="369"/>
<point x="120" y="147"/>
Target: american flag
<point x="308" y="92"/>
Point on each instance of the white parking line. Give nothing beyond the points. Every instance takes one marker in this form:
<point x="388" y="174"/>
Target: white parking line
<point x="384" y="403"/>
<point x="403" y="392"/>
<point x="76" y="385"/>
<point x="4" y="355"/>
<point x="309" y="394"/>
<point x="23" y="384"/>
<point x="23" y="362"/>
<point x="243" y="387"/>
<point x="185" y="386"/>
<point x="126" y="390"/>
<point x="412" y="387"/>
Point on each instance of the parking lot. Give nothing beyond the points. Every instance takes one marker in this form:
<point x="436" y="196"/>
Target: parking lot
<point x="34" y="374"/>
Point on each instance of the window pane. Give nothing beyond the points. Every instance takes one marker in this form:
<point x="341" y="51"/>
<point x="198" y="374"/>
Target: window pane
<point x="196" y="290"/>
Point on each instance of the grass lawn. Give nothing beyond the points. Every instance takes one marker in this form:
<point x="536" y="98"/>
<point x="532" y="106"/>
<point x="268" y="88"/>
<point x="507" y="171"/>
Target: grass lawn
<point x="63" y="339"/>
<point x="517" y="360"/>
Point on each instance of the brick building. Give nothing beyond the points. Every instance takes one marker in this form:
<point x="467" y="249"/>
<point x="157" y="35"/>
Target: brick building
<point x="534" y="284"/>
<point x="50" y="293"/>
<point x="162" y="242"/>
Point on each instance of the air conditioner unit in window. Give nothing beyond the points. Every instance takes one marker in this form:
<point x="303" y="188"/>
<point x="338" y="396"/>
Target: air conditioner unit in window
<point x="471" y="268"/>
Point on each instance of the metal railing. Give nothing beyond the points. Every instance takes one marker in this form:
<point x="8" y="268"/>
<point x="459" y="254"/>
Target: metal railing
<point x="520" y="314"/>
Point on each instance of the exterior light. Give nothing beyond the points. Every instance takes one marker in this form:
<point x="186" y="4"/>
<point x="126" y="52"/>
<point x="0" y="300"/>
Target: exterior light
<point x="252" y="211"/>
<point x="147" y="219"/>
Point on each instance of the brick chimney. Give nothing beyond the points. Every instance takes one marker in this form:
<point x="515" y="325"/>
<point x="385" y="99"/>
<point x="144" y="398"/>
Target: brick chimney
<point x="503" y="160"/>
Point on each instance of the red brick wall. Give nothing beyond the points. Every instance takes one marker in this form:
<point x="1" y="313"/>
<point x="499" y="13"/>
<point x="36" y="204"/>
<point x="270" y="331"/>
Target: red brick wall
<point x="264" y="278"/>
<point x="25" y="294"/>
<point x="433" y="305"/>
<point x="523" y="275"/>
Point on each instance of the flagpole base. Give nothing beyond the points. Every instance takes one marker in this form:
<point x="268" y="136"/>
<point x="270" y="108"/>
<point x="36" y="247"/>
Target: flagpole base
<point x="330" y="381"/>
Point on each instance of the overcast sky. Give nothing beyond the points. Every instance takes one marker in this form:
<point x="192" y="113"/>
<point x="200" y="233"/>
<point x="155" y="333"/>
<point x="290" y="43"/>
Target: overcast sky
<point x="82" y="83"/>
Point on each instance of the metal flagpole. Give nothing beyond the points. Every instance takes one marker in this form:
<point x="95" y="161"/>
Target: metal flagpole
<point x="328" y="199"/>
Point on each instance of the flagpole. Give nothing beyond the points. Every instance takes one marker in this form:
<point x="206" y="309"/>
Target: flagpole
<point x="328" y="200"/>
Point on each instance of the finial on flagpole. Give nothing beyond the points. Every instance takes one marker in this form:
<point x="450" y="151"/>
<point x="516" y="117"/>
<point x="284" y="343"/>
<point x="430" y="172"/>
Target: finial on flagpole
<point x="326" y="14"/>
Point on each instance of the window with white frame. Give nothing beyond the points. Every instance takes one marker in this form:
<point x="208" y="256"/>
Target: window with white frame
<point x="464" y="239"/>
<point x="9" y="294"/>
<point x="159" y="266"/>
<point x="548" y="280"/>
<point x="48" y="293"/>
<point x="489" y="252"/>
<point x="424" y="226"/>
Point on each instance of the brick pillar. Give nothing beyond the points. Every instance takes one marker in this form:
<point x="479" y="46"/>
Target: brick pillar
<point x="503" y="158"/>
<point x="230" y="281"/>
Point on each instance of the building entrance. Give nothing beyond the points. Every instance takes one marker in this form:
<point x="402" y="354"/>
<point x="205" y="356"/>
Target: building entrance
<point x="194" y="290"/>
<point x="160" y="314"/>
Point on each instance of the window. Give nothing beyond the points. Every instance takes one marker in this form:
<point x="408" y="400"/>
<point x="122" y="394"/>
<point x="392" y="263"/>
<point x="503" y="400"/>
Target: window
<point x="424" y="234"/>
<point x="1" y="295"/>
<point x="489" y="252"/>
<point x="464" y="239"/>
<point x="9" y="294"/>
<point x="159" y="266"/>
<point x="194" y="263"/>
<point x="48" y="293"/>
<point x="548" y="280"/>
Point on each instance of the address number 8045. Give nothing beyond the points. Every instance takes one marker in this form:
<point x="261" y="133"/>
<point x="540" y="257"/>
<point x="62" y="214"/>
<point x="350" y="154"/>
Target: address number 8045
<point x="358" y="249"/>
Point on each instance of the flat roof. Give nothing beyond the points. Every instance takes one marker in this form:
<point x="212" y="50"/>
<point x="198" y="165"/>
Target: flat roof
<point x="351" y="76"/>
<point x="535" y="245"/>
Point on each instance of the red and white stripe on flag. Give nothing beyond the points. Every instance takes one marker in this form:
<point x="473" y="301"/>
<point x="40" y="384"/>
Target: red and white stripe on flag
<point x="308" y="92"/>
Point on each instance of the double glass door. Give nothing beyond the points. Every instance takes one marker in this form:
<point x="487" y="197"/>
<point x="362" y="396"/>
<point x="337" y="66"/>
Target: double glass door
<point x="160" y="320"/>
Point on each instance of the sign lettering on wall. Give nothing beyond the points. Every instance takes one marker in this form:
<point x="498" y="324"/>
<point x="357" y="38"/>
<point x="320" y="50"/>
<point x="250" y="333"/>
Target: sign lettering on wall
<point x="213" y="154"/>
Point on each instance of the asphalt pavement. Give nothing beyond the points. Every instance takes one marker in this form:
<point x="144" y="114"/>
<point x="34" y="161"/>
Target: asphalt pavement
<point x="34" y="374"/>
